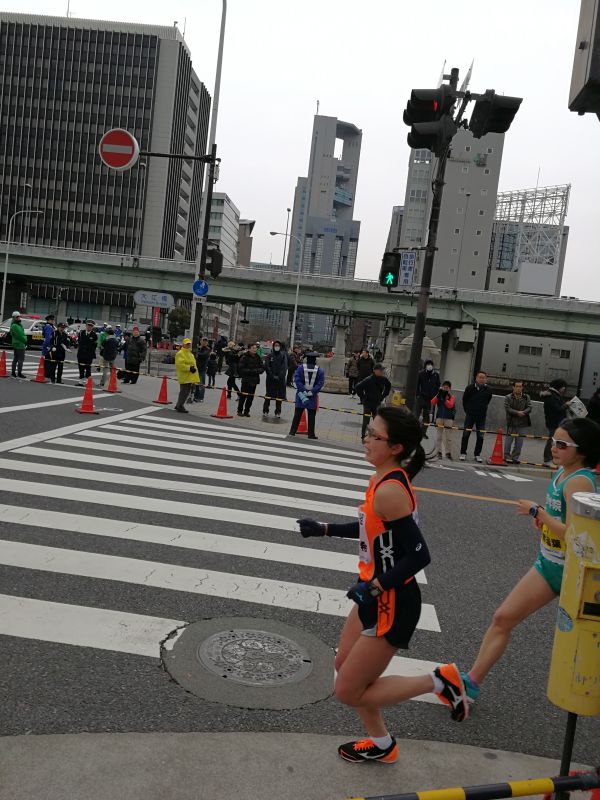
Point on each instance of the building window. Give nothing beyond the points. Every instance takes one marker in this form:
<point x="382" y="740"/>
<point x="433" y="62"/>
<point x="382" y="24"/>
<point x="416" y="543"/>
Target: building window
<point x="501" y="280"/>
<point x="454" y="251"/>
<point x="484" y="192"/>
<point x="486" y="171"/>
<point x="526" y="350"/>
<point x="506" y="348"/>
<point x="473" y="273"/>
<point x="481" y="212"/>
<point x="490" y="150"/>
<point x="468" y="148"/>
<point x="478" y="232"/>
<point x="503" y="367"/>
<point x="456" y="230"/>
<point x="460" y="210"/>
<point x="464" y="169"/>
<point x="475" y="252"/>
<point x="560" y="353"/>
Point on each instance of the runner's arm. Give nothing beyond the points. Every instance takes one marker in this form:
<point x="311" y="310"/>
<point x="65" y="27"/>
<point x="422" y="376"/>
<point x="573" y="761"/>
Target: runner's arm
<point x="416" y="554"/>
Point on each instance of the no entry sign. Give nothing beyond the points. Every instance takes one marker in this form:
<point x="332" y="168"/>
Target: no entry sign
<point x="119" y="149"/>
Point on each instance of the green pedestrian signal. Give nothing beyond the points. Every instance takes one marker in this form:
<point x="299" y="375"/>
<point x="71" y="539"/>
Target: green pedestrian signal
<point x="389" y="275"/>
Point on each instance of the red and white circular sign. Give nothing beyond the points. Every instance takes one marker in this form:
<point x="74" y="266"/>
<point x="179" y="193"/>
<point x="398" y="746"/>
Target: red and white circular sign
<point x="119" y="149"/>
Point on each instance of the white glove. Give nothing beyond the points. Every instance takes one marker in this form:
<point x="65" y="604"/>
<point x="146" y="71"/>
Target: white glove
<point x="309" y="394"/>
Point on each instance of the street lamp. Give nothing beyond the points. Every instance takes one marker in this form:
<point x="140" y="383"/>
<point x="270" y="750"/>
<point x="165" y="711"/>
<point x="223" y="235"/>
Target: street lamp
<point x="297" y="238"/>
<point x="10" y="227"/>
<point x="287" y="227"/>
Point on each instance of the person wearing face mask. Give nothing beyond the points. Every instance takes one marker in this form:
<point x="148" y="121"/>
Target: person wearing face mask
<point x="276" y="367"/>
<point x="428" y="385"/>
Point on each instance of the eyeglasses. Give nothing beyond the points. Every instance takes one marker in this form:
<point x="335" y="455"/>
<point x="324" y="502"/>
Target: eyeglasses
<point x="560" y="445"/>
<point x="370" y="434"/>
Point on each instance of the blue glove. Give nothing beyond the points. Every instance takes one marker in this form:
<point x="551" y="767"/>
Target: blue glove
<point x="361" y="593"/>
<point x="310" y="527"/>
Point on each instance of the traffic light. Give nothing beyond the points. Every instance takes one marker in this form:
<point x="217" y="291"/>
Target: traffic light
<point x="389" y="276"/>
<point x="493" y="113"/>
<point x="428" y="112"/>
<point x="214" y="262"/>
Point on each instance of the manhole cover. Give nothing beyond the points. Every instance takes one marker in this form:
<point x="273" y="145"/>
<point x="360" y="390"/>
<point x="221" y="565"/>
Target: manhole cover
<point x="255" y="658"/>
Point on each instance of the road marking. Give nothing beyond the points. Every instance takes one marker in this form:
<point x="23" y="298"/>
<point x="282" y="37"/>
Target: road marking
<point x="263" y="591"/>
<point x="188" y="540"/>
<point x="517" y="478"/>
<point x="202" y="489"/>
<point x="44" y="436"/>
<point x="448" y="493"/>
<point x="64" y="401"/>
<point x="151" y="442"/>
<point x="177" y="423"/>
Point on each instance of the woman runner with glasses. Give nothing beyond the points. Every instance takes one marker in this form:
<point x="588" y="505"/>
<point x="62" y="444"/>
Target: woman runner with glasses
<point x="387" y="597"/>
<point x="576" y="451"/>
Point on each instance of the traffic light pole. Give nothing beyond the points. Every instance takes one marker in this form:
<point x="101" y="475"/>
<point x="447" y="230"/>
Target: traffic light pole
<point x="197" y="316"/>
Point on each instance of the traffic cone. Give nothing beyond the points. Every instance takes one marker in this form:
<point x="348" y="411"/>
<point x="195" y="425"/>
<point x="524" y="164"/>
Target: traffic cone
<point x="112" y="382"/>
<point x="162" y="395"/>
<point x="497" y="458"/>
<point x="303" y="427"/>
<point x="41" y="376"/>
<point x="87" y="407"/>
<point x="222" y="409"/>
<point x="3" y="365"/>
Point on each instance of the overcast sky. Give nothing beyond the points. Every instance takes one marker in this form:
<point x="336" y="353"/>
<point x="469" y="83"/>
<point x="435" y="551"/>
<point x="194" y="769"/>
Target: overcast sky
<point x="360" y="60"/>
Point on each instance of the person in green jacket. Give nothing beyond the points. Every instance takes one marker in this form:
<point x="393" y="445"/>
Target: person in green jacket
<point x="18" y="339"/>
<point x="187" y="374"/>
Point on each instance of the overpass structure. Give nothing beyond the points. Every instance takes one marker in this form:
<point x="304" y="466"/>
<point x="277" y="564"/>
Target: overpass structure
<point x="450" y="308"/>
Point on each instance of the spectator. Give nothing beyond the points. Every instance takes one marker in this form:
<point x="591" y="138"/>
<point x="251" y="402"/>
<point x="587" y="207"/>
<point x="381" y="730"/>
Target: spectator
<point x="428" y="385"/>
<point x="365" y="365"/>
<point x="202" y="355"/>
<point x="60" y="346"/>
<point x="220" y="348"/>
<point x="101" y="339"/>
<point x="372" y="391"/>
<point x="276" y="366"/>
<point x="309" y="380"/>
<point x="86" y="350"/>
<point x="593" y="407"/>
<point x="444" y="408"/>
<point x="555" y="410"/>
<point x="259" y="350"/>
<point x="293" y="361"/>
<point x="250" y="369"/>
<point x="18" y="340"/>
<point x="136" y="353"/>
<point x="108" y="354"/>
<point x="187" y="374"/>
<point x="232" y="359"/>
<point x="517" y="405"/>
<point x="352" y="372"/>
<point x="211" y="368"/>
<point x="476" y="399"/>
<point x="148" y="336"/>
<point x="47" y="345"/>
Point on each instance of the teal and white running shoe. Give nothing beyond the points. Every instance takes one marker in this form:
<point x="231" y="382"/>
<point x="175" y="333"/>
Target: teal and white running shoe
<point x="472" y="690"/>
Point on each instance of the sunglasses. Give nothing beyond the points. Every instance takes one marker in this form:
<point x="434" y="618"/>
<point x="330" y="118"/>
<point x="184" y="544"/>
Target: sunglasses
<point x="370" y="434"/>
<point x="560" y="445"/>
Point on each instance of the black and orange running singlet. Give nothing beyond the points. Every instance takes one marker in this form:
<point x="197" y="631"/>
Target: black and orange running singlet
<point x="379" y="547"/>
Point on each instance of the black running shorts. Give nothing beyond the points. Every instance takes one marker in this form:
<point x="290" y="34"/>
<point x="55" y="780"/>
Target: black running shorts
<point x="394" y="615"/>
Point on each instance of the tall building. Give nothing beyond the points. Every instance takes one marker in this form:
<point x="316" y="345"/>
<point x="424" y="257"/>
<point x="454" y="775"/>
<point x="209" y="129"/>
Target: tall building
<point x="393" y="239"/>
<point x="220" y="319"/>
<point x="244" y="256"/>
<point x="66" y="81"/>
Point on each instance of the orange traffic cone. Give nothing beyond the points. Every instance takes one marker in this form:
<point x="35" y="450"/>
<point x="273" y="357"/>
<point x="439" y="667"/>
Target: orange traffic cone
<point x="87" y="407"/>
<point x="3" y="365"/>
<point x="112" y="382"/>
<point x="497" y="458"/>
<point x="222" y="409"/>
<point x="162" y="398"/>
<point x="303" y="427"/>
<point x="41" y="376"/>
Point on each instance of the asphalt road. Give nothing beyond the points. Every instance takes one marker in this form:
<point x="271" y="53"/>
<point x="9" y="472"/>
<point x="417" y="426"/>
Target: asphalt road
<point x="479" y="547"/>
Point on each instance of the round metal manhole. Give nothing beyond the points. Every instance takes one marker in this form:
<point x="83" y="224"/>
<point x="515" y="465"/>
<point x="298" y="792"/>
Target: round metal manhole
<point x="254" y="657"/>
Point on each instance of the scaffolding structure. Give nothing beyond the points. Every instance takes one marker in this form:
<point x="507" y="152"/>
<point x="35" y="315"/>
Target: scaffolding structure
<point x="529" y="226"/>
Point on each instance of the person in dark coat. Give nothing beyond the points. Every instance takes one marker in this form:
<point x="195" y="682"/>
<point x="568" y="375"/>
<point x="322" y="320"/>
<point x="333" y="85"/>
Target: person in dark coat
<point x="309" y="380"/>
<point x="476" y="399"/>
<point x="58" y="352"/>
<point x="593" y="407"/>
<point x="136" y="353"/>
<point x="202" y="355"/>
<point x="219" y="349"/>
<point x="294" y="359"/>
<point x="276" y="367"/>
<point x="372" y="392"/>
<point x="250" y="369"/>
<point x="108" y="353"/>
<point x="211" y="368"/>
<point x="47" y="344"/>
<point x="86" y="350"/>
<point x="232" y="359"/>
<point x="555" y="410"/>
<point x="352" y="373"/>
<point x="428" y="385"/>
<point x="365" y="365"/>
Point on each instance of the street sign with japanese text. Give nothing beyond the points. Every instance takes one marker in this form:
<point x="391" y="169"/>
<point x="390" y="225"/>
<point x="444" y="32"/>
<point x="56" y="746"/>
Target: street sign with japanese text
<point x="155" y="299"/>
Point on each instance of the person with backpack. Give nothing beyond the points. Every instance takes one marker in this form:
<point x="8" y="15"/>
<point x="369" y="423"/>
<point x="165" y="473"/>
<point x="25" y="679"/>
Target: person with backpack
<point x="108" y="353"/>
<point x="443" y="406"/>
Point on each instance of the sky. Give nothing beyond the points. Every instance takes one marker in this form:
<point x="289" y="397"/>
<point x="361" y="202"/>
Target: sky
<point x="360" y="60"/>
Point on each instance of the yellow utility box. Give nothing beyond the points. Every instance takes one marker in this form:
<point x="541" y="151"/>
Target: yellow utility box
<point x="574" y="679"/>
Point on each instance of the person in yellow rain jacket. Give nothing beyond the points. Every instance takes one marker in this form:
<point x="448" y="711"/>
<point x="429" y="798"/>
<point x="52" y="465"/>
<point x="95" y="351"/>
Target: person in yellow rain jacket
<point x="187" y="374"/>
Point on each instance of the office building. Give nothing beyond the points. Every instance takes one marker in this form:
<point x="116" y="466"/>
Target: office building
<point x="65" y="82"/>
<point x="220" y="319"/>
<point x="393" y="240"/>
<point x="244" y="256"/>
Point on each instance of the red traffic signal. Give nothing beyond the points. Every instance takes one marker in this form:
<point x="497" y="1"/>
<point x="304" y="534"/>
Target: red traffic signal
<point x="429" y="105"/>
<point x="493" y="113"/>
<point x="434" y="136"/>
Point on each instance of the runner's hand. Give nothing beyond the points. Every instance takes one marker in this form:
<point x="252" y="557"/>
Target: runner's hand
<point x="360" y="594"/>
<point x="310" y="527"/>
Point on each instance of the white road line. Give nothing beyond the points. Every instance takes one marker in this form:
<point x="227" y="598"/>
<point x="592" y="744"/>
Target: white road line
<point x="233" y="440"/>
<point x="117" y="631"/>
<point x="28" y="406"/>
<point x="186" y="487"/>
<point x="199" y="451"/>
<point x="176" y="423"/>
<point x="44" y="436"/>
<point x="264" y="591"/>
<point x="164" y="455"/>
<point x="494" y="475"/>
<point x="517" y="478"/>
<point x="207" y="476"/>
<point x="83" y="626"/>
<point x="479" y="472"/>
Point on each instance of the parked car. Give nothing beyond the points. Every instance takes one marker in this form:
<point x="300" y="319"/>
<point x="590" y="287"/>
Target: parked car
<point x="33" y="325"/>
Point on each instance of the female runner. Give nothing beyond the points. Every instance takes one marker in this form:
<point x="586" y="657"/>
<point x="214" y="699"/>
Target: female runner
<point x="576" y="451"/>
<point x="387" y="597"/>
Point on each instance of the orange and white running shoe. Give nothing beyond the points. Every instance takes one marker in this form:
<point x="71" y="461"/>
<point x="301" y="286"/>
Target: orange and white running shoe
<point x="366" y="750"/>
<point x="453" y="694"/>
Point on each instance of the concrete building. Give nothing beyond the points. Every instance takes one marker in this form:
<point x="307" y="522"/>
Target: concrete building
<point x="393" y="239"/>
<point x="244" y="256"/>
<point x="219" y="319"/>
<point x="66" y="81"/>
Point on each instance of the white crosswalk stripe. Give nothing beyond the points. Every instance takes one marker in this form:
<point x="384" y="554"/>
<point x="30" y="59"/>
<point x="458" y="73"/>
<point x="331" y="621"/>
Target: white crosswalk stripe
<point x="150" y="481"/>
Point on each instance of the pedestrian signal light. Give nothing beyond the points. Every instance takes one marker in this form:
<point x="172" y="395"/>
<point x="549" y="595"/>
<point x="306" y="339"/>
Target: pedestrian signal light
<point x="493" y="113"/>
<point x="214" y="262"/>
<point x="389" y="275"/>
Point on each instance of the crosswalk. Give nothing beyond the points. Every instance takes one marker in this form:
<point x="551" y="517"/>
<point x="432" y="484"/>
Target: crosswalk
<point x="490" y="473"/>
<point x="99" y="500"/>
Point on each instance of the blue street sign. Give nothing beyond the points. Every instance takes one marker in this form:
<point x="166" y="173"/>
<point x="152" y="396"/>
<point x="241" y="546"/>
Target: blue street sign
<point x="200" y="288"/>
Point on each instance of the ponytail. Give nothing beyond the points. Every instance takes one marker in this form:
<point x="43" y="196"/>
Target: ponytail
<point x="416" y="462"/>
<point x="405" y="429"/>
